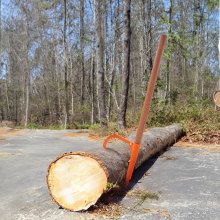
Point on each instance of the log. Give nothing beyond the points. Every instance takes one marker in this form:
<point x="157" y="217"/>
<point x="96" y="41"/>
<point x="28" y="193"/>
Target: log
<point x="216" y="98"/>
<point x="76" y="180"/>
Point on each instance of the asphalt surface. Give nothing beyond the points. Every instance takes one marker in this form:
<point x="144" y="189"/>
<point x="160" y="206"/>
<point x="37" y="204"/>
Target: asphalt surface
<point x="186" y="180"/>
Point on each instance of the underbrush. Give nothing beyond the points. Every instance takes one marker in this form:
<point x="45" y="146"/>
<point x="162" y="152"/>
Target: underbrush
<point x="112" y="128"/>
<point x="192" y="117"/>
<point x="199" y="119"/>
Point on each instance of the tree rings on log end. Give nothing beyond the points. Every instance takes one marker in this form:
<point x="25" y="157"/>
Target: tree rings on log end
<point x="76" y="181"/>
<point x="216" y="98"/>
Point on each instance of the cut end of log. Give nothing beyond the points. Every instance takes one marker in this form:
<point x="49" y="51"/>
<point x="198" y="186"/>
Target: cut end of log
<point x="76" y="181"/>
<point x="216" y="97"/>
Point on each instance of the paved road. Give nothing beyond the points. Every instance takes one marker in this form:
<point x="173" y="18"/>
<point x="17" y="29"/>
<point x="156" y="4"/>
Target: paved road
<point x="187" y="181"/>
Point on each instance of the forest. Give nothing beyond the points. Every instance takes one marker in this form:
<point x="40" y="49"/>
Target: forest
<point x="85" y="63"/>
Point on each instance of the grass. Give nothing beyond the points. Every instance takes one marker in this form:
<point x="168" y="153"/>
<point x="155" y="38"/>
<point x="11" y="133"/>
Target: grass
<point x="166" y="157"/>
<point x="39" y="126"/>
<point x="148" y="195"/>
<point x="110" y="186"/>
<point x="143" y="194"/>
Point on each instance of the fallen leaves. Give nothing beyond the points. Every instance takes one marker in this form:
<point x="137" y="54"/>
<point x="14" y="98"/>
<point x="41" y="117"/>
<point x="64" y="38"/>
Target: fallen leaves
<point x="211" y="148"/>
<point x="106" y="210"/>
<point x="108" y="205"/>
<point x="211" y="137"/>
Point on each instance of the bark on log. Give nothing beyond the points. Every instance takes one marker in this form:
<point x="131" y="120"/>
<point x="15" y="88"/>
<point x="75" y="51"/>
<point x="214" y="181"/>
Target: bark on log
<point x="76" y="180"/>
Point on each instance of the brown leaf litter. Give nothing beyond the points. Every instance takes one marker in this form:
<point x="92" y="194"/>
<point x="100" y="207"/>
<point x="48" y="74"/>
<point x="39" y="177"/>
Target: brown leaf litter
<point x="108" y="205"/>
<point x="212" y="148"/>
<point x="201" y="137"/>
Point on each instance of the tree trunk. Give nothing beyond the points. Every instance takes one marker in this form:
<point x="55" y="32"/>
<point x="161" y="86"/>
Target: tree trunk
<point x="28" y="74"/>
<point x="167" y="98"/>
<point x="92" y="72"/>
<point x="99" y="63"/>
<point x="149" y="37"/>
<point x="113" y="61"/>
<point x="82" y="50"/>
<point x="7" y="99"/>
<point x="76" y="180"/>
<point x="126" y="64"/>
<point x="197" y="16"/>
<point x="65" y="67"/>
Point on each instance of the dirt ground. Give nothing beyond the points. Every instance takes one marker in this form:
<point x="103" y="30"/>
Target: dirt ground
<point x="182" y="183"/>
<point x="6" y="132"/>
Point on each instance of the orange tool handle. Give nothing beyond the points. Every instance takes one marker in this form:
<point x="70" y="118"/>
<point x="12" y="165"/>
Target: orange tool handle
<point x="150" y="89"/>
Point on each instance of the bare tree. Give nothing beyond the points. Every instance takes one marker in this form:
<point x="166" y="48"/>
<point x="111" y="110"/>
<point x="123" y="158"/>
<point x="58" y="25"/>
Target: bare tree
<point x="99" y="62"/>
<point x="65" y="67"/>
<point x="167" y="96"/>
<point x="25" y="9"/>
<point x="126" y="63"/>
<point x="82" y="50"/>
<point x="114" y="52"/>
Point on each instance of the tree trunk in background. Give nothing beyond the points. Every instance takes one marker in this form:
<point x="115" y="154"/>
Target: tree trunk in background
<point x="82" y="51"/>
<point x="65" y="67"/>
<point x="126" y="63"/>
<point x="57" y="90"/>
<point x="105" y="37"/>
<point x="111" y="91"/>
<point x="149" y="37"/>
<point x="99" y="62"/>
<point x="142" y="48"/>
<point x="92" y="73"/>
<point x="28" y="80"/>
<point x="146" y="47"/>
<point x="196" y="29"/>
<point x="183" y="37"/>
<point x="7" y="99"/>
<point x="167" y="97"/>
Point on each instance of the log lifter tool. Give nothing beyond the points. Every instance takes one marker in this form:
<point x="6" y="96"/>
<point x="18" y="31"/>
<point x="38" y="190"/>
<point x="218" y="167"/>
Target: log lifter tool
<point x="135" y="146"/>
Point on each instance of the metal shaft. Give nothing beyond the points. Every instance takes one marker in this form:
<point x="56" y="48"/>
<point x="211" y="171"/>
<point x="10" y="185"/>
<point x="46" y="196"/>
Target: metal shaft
<point x="150" y="89"/>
